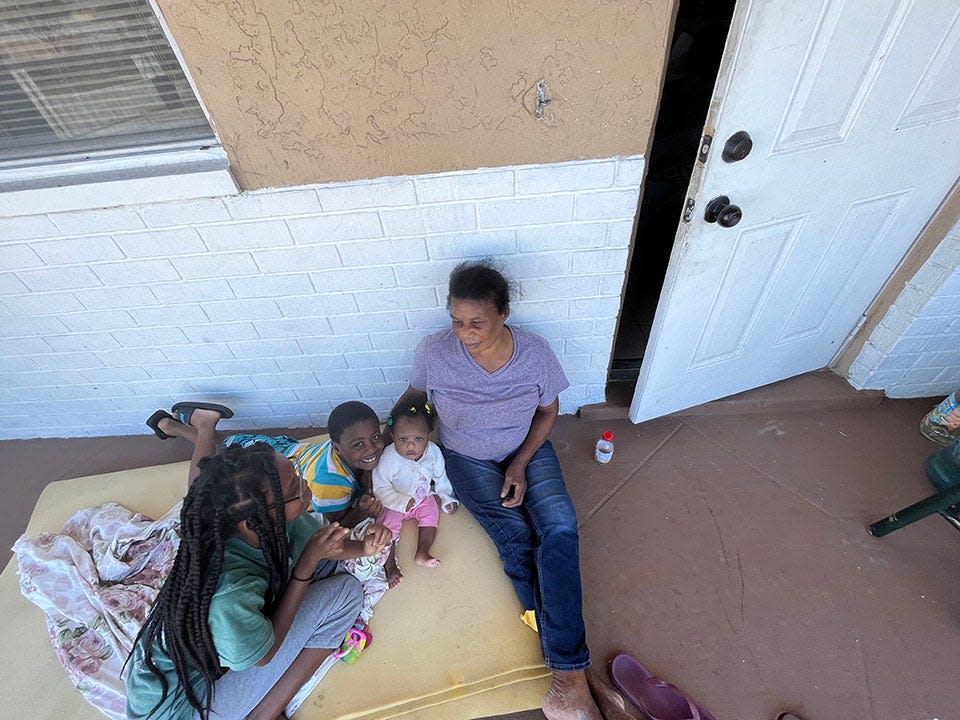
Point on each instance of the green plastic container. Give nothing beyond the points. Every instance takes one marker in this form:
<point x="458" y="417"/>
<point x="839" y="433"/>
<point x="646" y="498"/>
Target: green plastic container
<point x="943" y="467"/>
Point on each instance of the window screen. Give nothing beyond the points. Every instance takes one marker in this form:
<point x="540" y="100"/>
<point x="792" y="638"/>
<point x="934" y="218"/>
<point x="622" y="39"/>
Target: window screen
<point x="86" y="75"/>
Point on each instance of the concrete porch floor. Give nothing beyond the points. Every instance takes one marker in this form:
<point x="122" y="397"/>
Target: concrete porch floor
<point x="728" y="551"/>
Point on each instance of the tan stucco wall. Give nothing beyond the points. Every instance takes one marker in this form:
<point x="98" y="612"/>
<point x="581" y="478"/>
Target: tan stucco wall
<point x="304" y="91"/>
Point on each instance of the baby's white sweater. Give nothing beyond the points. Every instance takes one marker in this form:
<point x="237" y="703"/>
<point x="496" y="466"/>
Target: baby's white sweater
<point x="395" y="478"/>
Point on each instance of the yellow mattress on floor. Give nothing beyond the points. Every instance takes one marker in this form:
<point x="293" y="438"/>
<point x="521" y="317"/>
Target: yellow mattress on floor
<point x="448" y="644"/>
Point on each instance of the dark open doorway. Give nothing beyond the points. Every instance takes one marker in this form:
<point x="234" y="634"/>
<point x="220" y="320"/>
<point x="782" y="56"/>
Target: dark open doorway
<point x="696" y="50"/>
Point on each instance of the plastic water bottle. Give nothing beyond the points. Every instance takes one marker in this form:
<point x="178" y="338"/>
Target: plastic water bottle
<point x="942" y="424"/>
<point x="604" y="452"/>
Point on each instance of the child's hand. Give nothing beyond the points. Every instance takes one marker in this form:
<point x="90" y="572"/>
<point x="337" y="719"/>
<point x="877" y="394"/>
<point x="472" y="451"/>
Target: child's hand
<point x="411" y="504"/>
<point x="451" y="508"/>
<point x="325" y="543"/>
<point x="376" y="539"/>
<point x="369" y="505"/>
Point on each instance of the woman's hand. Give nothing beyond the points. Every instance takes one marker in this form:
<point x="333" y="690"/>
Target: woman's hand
<point x="376" y="539"/>
<point x="451" y="507"/>
<point x="514" y="484"/>
<point x="515" y="479"/>
<point x="369" y="505"/>
<point x="411" y="504"/>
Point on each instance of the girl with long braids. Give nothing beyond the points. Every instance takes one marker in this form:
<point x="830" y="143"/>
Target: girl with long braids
<point x="337" y="471"/>
<point x="252" y="606"/>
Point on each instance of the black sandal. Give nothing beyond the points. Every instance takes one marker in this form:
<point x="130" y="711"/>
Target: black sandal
<point x="184" y="410"/>
<point x="153" y="422"/>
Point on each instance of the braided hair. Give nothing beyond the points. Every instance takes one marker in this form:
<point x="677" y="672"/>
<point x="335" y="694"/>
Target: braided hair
<point x="233" y="486"/>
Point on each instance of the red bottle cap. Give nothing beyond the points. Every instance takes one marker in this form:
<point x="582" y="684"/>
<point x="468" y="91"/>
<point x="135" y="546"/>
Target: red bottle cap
<point x="607" y="435"/>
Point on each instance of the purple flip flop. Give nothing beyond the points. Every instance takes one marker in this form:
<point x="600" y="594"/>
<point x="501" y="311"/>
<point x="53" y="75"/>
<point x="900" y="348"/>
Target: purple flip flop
<point x="657" y="699"/>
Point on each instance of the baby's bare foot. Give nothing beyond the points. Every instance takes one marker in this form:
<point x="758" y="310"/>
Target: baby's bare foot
<point x="426" y="560"/>
<point x="569" y="698"/>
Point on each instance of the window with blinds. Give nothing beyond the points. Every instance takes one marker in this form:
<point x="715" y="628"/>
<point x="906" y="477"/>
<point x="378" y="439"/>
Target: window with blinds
<point x="80" y="76"/>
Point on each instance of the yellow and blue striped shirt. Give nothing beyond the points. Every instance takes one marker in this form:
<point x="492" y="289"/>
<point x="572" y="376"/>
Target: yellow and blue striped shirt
<point x="330" y="479"/>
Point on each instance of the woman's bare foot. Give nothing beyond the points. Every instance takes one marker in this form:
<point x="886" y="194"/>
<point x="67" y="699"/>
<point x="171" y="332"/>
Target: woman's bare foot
<point x="613" y="706"/>
<point x="427" y="560"/>
<point x="569" y="698"/>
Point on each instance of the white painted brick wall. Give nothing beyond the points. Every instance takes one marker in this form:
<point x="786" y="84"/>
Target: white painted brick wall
<point x="915" y="349"/>
<point x="284" y="303"/>
<point x="478" y="185"/>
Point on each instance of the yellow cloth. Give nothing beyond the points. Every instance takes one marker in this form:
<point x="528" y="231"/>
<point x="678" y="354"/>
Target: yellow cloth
<point x="447" y="645"/>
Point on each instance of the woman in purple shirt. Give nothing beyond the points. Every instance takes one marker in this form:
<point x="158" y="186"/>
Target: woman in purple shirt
<point x="495" y="389"/>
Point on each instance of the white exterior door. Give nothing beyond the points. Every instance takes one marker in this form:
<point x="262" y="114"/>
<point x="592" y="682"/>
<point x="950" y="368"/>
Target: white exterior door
<point x="854" y="112"/>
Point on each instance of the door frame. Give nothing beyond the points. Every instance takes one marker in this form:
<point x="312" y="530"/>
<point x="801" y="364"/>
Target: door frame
<point x="933" y="233"/>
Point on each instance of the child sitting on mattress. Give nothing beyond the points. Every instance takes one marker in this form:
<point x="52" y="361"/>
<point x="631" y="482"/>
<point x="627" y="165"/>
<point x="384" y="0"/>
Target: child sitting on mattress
<point x="409" y="479"/>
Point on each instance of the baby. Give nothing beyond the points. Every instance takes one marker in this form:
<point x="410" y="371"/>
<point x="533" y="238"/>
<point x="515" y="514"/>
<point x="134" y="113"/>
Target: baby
<point x="410" y="473"/>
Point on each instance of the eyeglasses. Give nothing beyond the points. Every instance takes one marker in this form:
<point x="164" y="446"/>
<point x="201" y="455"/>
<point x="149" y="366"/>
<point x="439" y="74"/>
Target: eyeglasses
<point x="296" y="498"/>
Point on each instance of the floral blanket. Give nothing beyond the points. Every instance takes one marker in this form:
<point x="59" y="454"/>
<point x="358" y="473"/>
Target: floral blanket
<point x="95" y="581"/>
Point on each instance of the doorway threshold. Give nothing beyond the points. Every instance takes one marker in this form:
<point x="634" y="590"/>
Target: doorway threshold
<point x="820" y="390"/>
<point x="624" y="371"/>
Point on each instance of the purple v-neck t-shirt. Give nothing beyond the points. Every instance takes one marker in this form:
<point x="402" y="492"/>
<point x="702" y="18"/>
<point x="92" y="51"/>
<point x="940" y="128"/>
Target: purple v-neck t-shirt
<point x="486" y="415"/>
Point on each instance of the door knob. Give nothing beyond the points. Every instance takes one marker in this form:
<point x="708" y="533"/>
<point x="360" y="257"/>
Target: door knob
<point x="721" y="211"/>
<point x="737" y="147"/>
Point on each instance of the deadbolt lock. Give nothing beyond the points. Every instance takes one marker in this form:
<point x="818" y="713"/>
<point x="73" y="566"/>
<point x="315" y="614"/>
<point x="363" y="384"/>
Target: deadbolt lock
<point x="737" y="147"/>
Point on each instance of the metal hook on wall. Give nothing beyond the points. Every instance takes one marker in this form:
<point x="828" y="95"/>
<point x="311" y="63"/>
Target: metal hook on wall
<point x="542" y="99"/>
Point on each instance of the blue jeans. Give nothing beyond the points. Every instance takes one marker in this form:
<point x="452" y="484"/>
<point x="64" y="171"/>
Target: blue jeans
<point x="538" y="543"/>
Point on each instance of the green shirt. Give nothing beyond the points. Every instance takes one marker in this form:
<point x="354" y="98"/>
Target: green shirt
<point x="241" y="632"/>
